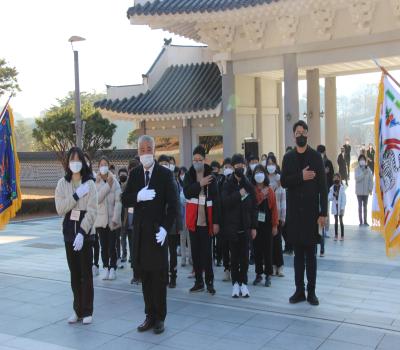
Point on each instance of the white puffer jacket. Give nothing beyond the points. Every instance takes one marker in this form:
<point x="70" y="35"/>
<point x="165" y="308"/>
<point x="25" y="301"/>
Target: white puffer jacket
<point x="109" y="203"/>
<point x="340" y="203"/>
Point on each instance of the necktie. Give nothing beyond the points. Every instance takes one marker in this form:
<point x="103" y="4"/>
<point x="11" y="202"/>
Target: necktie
<point x="147" y="177"/>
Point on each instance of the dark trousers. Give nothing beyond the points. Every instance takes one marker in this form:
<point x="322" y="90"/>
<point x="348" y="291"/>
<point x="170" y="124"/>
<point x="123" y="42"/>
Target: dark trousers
<point x="124" y="247"/>
<point x="347" y="161"/>
<point x="226" y="257"/>
<point x="217" y="248"/>
<point x="96" y="249"/>
<point x="239" y="247"/>
<point x="277" y="255"/>
<point x="154" y="287"/>
<point x="263" y="250"/>
<point x="173" y="241"/>
<point x="136" y="271"/>
<point x="288" y="246"/>
<point x="108" y="247"/>
<point x="118" y="242"/>
<point x="305" y="258"/>
<point x="362" y="208"/>
<point x="200" y="242"/>
<point x="80" y="268"/>
<point x="341" y="225"/>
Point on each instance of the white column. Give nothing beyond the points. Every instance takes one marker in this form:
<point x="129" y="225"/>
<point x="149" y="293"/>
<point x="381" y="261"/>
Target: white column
<point x="281" y="121"/>
<point x="331" y="119"/>
<point x="259" y="114"/>
<point x="313" y="108"/>
<point x="186" y="145"/>
<point x="291" y="80"/>
<point x="229" y="111"/>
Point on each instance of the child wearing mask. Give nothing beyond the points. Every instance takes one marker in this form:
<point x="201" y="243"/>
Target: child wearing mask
<point x="364" y="187"/>
<point x="272" y="170"/>
<point x="267" y="225"/>
<point x="337" y="195"/>
<point x="277" y="254"/>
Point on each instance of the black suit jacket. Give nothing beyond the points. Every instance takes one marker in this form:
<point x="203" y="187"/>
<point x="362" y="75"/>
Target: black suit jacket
<point x="150" y="215"/>
<point x="305" y="200"/>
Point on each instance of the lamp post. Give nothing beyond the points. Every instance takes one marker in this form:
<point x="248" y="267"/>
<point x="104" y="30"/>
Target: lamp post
<point x="78" y="119"/>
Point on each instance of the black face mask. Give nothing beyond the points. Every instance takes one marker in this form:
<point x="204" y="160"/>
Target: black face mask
<point x="123" y="178"/>
<point x="239" y="172"/>
<point x="301" y="140"/>
<point x="336" y="182"/>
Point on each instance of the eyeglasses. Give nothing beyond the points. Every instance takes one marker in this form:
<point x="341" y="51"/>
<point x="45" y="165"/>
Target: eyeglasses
<point x="298" y="133"/>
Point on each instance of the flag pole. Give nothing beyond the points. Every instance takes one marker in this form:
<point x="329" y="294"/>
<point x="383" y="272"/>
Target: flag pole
<point x="385" y="71"/>
<point x="4" y="109"/>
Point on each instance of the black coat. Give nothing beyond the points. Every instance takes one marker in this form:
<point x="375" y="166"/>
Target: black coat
<point x="342" y="167"/>
<point x="347" y="152"/>
<point x="192" y="189"/>
<point x="329" y="175"/>
<point x="238" y="214"/>
<point x="150" y="215"/>
<point x="305" y="200"/>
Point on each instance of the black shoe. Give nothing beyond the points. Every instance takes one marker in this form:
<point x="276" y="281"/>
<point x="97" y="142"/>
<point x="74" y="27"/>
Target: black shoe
<point x="267" y="281"/>
<point x="297" y="297"/>
<point x="172" y="282"/>
<point x="219" y="263"/>
<point x="312" y="299"/>
<point x="366" y="224"/>
<point x="159" y="327"/>
<point x="257" y="280"/>
<point x="146" y="325"/>
<point x="198" y="287"/>
<point x="211" y="289"/>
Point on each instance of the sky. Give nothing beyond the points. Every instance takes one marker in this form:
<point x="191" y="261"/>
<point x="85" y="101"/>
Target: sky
<point x="115" y="52"/>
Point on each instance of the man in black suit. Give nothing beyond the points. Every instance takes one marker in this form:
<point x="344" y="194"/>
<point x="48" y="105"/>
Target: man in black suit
<point x="303" y="174"/>
<point x="151" y="191"/>
<point x="347" y="156"/>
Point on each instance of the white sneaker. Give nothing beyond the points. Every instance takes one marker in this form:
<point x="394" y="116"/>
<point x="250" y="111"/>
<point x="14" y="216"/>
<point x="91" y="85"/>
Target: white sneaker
<point x="280" y="272"/>
<point x="87" y="320"/>
<point x="113" y="275"/>
<point x="95" y="270"/>
<point x="106" y="274"/>
<point x="244" y="291"/>
<point x="274" y="270"/>
<point x="73" y="319"/>
<point x="227" y="276"/>
<point x="236" y="290"/>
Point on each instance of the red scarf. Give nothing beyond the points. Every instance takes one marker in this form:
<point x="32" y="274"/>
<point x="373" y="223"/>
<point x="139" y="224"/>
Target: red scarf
<point x="261" y="194"/>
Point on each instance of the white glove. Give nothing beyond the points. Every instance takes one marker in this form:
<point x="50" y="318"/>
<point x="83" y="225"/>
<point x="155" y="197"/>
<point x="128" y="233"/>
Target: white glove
<point x="145" y="195"/>
<point x="160" y="236"/>
<point x="82" y="190"/>
<point x="78" y="243"/>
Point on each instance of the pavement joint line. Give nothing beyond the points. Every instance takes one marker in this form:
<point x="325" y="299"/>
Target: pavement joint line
<point x="228" y="307"/>
<point x="44" y="218"/>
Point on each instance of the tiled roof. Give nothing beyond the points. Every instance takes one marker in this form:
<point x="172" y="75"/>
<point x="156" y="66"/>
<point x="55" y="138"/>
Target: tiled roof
<point x="160" y="7"/>
<point x="181" y="89"/>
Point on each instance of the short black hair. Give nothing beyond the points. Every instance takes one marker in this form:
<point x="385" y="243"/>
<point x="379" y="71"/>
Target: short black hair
<point x="227" y="160"/>
<point x="200" y="150"/>
<point x="163" y="158"/>
<point x="361" y="156"/>
<point x="238" y="159"/>
<point x="253" y="157"/>
<point x="107" y="160"/>
<point x="273" y="158"/>
<point x="301" y="123"/>
<point x="172" y="158"/>
<point x="321" y="148"/>
<point x="122" y="170"/>
<point x="215" y="164"/>
<point x="86" y="173"/>
<point x="183" y="170"/>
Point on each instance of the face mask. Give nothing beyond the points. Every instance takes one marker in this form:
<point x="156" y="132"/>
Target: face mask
<point x="182" y="177"/>
<point x="75" y="167"/>
<point x="228" y="171"/>
<point x="166" y="166"/>
<point x="123" y="178"/>
<point x="271" y="169"/>
<point x="264" y="163"/>
<point x="239" y="172"/>
<point x="301" y="140"/>
<point x="198" y="166"/>
<point x="103" y="170"/>
<point x="253" y="166"/>
<point x="362" y="162"/>
<point x="172" y="167"/>
<point x="259" y="177"/>
<point x="147" y="160"/>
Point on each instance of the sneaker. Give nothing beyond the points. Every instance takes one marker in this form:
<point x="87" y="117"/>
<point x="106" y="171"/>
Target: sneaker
<point x="227" y="276"/>
<point x="235" y="290"/>
<point x="257" y="280"/>
<point x="267" y="281"/>
<point x="198" y="287"/>
<point x="73" y="319"/>
<point x="335" y="239"/>
<point x="106" y="274"/>
<point x="321" y="255"/>
<point x="312" y="299"/>
<point x="366" y="224"/>
<point x="244" y="291"/>
<point x="274" y="270"/>
<point x="280" y="272"/>
<point x="297" y="297"/>
<point x="172" y="282"/>
<point x="113" y="275"/>
<point x="87" y="320"/>
<point x="211" y="289"/>
<point x="342" y="238"/>
<point x="219" y="263"/>
<point x="192" y="275"/>
<point x="95" y="270"/>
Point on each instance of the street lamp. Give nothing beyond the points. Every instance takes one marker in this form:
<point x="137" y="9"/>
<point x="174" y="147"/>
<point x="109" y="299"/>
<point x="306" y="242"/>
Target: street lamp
<point x="78" y="119"/>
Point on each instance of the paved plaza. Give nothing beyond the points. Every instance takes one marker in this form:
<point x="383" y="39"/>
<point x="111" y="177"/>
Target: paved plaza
<point x="357" y="285"/>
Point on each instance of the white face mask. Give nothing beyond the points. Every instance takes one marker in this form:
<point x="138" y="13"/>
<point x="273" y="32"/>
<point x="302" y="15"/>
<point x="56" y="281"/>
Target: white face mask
<point x="362" y="162"/>
<point x="166" y="166"/>
<point x="182" y="177"/>
<point x="271" y="169"/>
<point x="253" y="166"/>
<point x="264" y="163"/>
<point x="228" y="171"/>
<point x="103" y="170"/>
<point x="75" y="166"/>
<point x="147" y="160"/>
<point x="259" y="177"/>
<point x="172" y="167"/>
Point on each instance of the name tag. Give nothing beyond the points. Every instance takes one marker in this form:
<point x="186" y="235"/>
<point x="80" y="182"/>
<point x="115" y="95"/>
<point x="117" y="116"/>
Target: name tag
<point x="130" y="210"/>
<point x="261" y="216"/>
<point x="202" y="200"/>
<point x="75" y="215"/>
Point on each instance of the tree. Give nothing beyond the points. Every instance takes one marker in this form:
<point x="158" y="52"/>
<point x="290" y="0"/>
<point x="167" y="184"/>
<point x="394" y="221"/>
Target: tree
<point x="133" y="137"/>
<point x="23" y="135"/>
<point x="56" y="131"/>
<point x="208" y="142"/>
<point x="8" y="78"/>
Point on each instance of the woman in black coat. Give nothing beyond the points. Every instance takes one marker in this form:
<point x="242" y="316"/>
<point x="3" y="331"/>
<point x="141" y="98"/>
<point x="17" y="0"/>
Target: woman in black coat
<point x="342" y="166"/>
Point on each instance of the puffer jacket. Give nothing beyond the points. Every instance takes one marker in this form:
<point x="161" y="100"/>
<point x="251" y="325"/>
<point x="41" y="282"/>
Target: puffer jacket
<point x="338" y="204"/>
<point x="364" y="181"/>
<point x="109" y="204"/>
